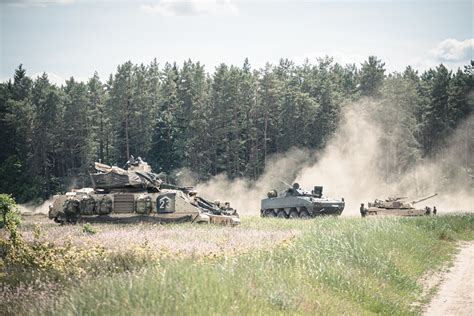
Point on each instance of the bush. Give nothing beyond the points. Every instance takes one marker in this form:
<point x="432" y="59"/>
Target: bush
<point x="88" y="229"/>
<point x="9" y="211"/>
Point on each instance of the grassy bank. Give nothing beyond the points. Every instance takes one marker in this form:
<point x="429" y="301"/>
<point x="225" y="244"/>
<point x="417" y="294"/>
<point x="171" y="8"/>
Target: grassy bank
<point x="328" y="265"/>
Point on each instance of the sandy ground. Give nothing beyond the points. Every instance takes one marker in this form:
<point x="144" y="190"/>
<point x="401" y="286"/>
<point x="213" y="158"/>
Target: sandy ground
<point x="456" y="293"/>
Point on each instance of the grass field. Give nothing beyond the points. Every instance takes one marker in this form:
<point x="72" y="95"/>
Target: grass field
<point x="265" y="266"/>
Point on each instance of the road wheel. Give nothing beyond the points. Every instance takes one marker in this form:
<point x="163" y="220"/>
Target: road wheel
<point x="281" y="214"/>
<point x="293" y="214"/>
<point x="72" y="219"/>
<point x="304" y="215"/>
<point x="269" y="213"/>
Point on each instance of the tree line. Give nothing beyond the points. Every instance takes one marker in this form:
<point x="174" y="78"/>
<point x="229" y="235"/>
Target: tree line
<point x="229" y="121"/>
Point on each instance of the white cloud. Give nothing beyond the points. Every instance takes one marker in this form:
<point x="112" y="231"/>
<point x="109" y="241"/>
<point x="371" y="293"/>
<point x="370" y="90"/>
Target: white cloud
<point x="4" y="79"/>
<point x="191" y="7"/>
<point x="453" y="50"/>
<point x="36" y="3"/>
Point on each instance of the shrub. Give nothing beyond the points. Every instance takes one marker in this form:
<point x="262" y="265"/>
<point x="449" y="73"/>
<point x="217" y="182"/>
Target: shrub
<point x="88" y="229"/>
<point x="8" y="210"/>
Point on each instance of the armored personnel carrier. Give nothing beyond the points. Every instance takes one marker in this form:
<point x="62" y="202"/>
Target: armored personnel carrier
<point x="396" y="206"/>
<point x="297" y="203"/>
<point x="134" y="194"/>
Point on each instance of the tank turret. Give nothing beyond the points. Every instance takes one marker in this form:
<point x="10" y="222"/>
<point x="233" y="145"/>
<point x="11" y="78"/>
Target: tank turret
<point x="138" y="175"/>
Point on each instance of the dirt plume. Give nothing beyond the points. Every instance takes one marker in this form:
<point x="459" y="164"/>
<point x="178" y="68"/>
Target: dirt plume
<point x="244" y="194"/>
<point x="32" y="209"/>
<point x="372" y="155"/>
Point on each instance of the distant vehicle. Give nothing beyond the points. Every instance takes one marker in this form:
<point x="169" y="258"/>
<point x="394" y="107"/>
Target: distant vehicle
<point x="397" y="207"/>
<point x="297" y="203"/>
<point x="137" y="194"/>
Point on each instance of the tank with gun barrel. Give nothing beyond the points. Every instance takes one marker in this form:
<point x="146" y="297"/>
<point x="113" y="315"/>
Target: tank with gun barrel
<point x="297" y="203"/>
<point x="136" y="193"/>
<point x="396" y="206"/>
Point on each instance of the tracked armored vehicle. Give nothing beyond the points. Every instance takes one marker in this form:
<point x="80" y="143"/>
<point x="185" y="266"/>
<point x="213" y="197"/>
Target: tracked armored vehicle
<point x="297" y="203"/>
<point x="137" y="194"/>
<point x="396" y="206"/>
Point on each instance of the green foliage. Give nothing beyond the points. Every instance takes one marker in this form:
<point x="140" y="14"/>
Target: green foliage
<point x="372" y="76"/>
<point x="229" y="121"/>
<point x="89" y="229"/>
<point x="9" y="213"/>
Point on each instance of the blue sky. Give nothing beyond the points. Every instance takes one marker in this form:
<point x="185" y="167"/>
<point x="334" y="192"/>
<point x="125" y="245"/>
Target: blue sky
<point x="75" y="38"/>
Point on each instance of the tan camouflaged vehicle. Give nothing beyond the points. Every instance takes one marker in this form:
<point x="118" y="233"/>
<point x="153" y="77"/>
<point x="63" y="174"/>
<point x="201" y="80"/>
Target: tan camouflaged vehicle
<point x="137" y="194"/>
<point x="395" y="206"/>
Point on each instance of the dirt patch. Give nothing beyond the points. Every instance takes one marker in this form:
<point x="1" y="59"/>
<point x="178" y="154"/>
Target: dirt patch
<point x="429" y="282"/>
<point x="456" y="292"/>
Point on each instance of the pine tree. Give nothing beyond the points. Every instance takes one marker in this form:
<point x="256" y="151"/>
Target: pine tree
<point x="98" y="119"/>
<point x="270" y="99"/>
<point x="123" y="108"/>
<point x="162" y="154"/>
<point x="371" y="74"/>
<point x="398" y="142"/>
<point x="76" y="134"/>
<point x="435" y="121"/>
<point x="45" y="139"/>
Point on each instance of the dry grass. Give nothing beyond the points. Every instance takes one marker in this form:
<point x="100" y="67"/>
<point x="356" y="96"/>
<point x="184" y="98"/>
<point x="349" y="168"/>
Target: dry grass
<point x="184" y="239"/>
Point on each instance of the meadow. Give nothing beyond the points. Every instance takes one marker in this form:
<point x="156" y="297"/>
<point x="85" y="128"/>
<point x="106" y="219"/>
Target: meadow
<point x="356" y="266"/>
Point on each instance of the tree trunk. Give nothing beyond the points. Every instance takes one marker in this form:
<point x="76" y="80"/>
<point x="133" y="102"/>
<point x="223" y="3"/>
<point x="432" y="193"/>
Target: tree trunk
<point x="127" y="117"/>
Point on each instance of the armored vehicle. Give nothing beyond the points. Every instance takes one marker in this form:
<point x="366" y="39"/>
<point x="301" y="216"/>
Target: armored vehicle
<point x="396" y="206"/>
<point x="137" y="194"/>
<point x="297" y="203"/>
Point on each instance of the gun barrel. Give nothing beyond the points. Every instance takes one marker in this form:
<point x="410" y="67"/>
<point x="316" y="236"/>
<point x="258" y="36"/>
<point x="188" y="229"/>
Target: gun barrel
<point x="425" y="198"/>
<point x="282" y="181"/>
<point x="285" y="183"/>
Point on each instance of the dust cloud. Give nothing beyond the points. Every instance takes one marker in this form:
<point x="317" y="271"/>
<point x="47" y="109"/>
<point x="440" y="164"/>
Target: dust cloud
<point x="352" y="166"/>
<point x="244" y="194"/>
<point x="33" y="209"/>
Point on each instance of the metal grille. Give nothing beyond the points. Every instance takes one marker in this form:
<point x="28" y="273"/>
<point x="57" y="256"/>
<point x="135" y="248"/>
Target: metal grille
<point x="123" y="203"/>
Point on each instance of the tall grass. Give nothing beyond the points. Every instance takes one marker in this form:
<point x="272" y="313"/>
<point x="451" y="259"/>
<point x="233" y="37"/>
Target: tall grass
<point x="335" y="266"/>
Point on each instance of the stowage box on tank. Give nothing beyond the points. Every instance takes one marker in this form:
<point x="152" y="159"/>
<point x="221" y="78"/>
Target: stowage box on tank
<point x="297" y="203"/>
<point x="137" y="194"/>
